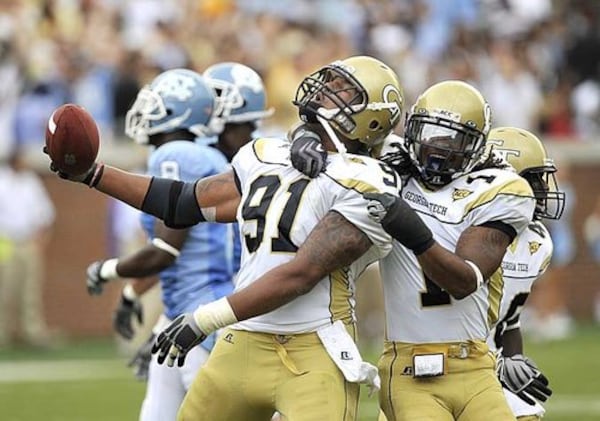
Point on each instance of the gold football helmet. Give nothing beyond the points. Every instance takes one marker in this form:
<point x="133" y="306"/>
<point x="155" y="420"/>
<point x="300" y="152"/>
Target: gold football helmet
<point x="446" y="130"/>
<point x="527" y="155"/>
<point x="360" y="97"/>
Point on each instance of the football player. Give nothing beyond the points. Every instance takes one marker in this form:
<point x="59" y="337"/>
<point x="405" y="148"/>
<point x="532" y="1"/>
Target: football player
<point x="442" y="299"/>
<point x="240" y="106"/>
<point x="525" y="261"/>
<point x="290" y="347"/>
<point x="441" y="304"/>
<point x="195" y="265"/>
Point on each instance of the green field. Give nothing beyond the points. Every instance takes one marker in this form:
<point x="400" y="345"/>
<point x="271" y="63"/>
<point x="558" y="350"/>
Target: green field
<point x="88" y="381"/>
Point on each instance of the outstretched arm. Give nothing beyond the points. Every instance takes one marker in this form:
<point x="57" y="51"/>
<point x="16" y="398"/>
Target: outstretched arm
<point x="180" y="205"/>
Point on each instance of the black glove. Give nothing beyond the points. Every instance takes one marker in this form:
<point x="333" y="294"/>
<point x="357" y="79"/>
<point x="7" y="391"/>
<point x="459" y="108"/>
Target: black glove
<point x="395" y="153"/>
<point x="178" y="339"/>
<point x="95" y="281"/>
<point x="521" y="376"/>
<point x="307" y="153"/>
<point x="90" y="178"/>
<point x="123" y="315"/>
<point x="141" y="360"/>
<point x="400" y="221"/>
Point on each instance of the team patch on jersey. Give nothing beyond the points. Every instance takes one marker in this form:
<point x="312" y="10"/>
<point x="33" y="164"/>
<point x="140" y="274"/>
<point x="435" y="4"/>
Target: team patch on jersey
<point x="534" y="246"/>
<point x="422" y="201"/>
<point x="458" y="194"/>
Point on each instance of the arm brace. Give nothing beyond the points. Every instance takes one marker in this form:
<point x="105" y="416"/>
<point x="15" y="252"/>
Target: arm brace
<point x="403" y="223"/>
<point x="174" y="202"/>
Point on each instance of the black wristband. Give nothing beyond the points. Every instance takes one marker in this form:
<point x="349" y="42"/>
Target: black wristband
<point x="403" y="223"/>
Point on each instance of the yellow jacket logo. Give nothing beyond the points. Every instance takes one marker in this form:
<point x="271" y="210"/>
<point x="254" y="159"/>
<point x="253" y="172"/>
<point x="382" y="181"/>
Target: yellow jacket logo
<point x="534" y="246"/>
<point x="458" y="194"/>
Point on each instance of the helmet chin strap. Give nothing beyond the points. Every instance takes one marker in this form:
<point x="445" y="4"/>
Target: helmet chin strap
<point x="331" y="133"/>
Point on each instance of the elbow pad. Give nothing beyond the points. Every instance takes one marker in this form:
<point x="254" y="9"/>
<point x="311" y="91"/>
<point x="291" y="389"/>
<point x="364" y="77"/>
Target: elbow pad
<point x="174" y="202"/>
<point x="403" y="223"/>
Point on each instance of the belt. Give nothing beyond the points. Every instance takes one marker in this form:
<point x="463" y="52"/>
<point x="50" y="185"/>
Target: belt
<point x="458" y="350"/>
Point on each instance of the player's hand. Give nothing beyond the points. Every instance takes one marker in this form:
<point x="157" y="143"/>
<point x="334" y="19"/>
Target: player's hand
<point x="141" y="360"/>
<point x="379" y="205"/>
<point x="307" y="153"/>
<point x="521" y="376"/>
<point x="86" y="178"/>
<point x="95" y="281"/>
<point x="177" y="340"/>
<point x="124" y="314"/>
<point x="396" y="155"/>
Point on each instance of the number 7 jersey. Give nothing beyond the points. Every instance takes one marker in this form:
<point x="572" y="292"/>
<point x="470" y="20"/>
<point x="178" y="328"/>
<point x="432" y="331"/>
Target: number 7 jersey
<point x="419" y="311"/>
<point x="278" y="210"/>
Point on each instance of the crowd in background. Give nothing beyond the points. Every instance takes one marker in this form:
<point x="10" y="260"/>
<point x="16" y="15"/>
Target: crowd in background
<point x="536" y="61"/>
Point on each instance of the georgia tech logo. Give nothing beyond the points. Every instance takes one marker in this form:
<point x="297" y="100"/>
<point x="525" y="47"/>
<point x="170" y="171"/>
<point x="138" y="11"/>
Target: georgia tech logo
<point x="534" y="246"/>
<point x="502" y="152"/>
<point x="458" y="194"/>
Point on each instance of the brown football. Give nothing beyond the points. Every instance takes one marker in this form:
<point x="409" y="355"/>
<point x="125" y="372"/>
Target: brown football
<point x="72" y="139"/>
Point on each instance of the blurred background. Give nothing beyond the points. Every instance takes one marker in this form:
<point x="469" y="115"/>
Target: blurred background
<point x="536" y="61"/>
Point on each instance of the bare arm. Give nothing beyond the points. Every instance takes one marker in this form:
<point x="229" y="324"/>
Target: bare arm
<point x="127" y="187"/>
<point x="512" y="342"/>
<point x="150" y="260"/>
<point x="141" y="285"/>
<point x="332" y="244"/>
<point x="483" y="246"/>
<point x="216" y="195"/>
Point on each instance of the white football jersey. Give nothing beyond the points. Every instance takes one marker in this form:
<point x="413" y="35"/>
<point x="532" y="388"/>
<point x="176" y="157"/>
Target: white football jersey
<point x="526" y="259"/>
<point x="417" y="310"/>
<point x="279" y="208"/>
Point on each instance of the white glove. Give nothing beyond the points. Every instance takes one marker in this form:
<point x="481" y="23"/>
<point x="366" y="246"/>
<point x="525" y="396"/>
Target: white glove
<point x="521" y="376"/>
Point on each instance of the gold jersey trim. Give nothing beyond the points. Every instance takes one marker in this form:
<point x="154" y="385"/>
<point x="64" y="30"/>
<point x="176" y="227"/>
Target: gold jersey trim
<point x="340" y="306"/>
<point x="495" y="290"/>
<point x="515" y="187"/>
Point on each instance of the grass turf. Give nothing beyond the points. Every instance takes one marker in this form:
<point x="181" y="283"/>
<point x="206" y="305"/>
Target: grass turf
<point x="88" y="381"/>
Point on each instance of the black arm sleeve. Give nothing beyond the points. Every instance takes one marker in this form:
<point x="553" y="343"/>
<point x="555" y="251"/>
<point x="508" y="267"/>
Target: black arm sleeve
<point x="403" y="223"/>
<point x="174" y="202"/>
<point x="502" y="226"/>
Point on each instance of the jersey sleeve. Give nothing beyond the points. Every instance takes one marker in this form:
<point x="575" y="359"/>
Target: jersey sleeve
<point x="510" y="201"/>
<point x="370" y="177"/>
<point x="260" y="151"/>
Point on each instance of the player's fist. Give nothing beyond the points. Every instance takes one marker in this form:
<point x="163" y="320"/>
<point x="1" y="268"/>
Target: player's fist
<point x="95" y="281"/>
<point x="124" y="314"/>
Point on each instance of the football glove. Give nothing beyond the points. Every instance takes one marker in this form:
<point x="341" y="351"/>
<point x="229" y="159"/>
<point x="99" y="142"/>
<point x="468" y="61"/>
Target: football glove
<point x="90" y="178"/>
<point x="307" y="153"/>
<point x="177" y="339"/>
<point x="396" y="155"/>
<point x="141" y="360"/>
<point x="123" y="315"/>
<point x="521" y="376"/>
<point x="400" y="221"/>
<point x="95" y="281"/>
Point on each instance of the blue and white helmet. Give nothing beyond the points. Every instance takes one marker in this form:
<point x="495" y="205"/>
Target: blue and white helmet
<point x="240" y="95"/>
<point x="176" y="99"/>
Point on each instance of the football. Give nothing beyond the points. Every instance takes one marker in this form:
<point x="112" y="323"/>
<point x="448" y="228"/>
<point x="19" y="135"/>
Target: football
<point x="72" y="139"/>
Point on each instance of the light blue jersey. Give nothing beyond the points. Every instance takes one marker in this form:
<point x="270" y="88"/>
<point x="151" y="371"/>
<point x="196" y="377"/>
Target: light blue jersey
<point x="209" y="259"/>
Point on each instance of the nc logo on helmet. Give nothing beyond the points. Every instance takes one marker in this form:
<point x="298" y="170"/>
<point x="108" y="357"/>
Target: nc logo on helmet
<point x="179" y="87"/>
<point x="244" y="78"/>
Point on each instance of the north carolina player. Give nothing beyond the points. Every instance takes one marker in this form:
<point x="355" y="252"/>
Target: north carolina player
<point x="442" y="302"/>
<point x="239" y="109"/>
<point x="195" y="265"/>
<point x="304" y="242"/>
<point x="525" y="261"/>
